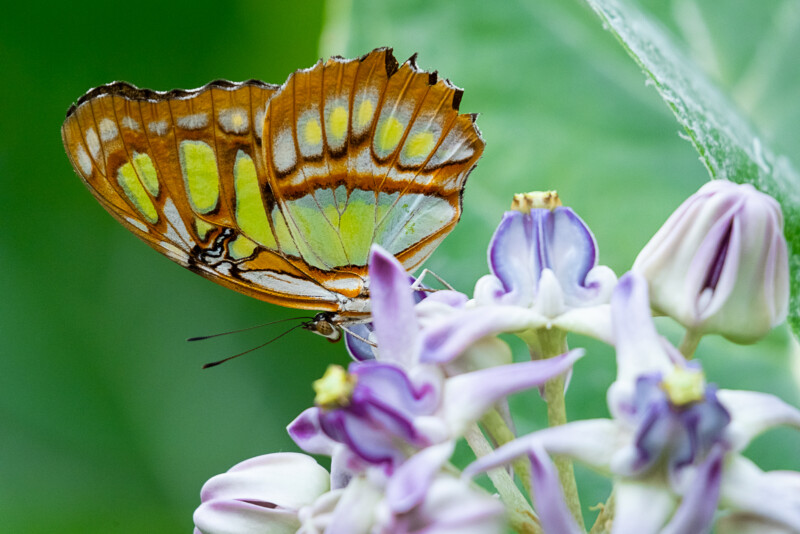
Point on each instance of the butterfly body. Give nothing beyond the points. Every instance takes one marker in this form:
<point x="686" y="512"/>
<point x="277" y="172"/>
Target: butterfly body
<point x="279" y="192"/>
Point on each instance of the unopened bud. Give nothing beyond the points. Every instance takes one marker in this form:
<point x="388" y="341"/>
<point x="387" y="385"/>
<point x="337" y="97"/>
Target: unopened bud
<point x="719" y="264"/>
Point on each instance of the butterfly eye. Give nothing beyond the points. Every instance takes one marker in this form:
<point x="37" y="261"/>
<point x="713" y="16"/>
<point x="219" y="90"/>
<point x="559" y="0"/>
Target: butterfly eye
<point x="324" y="324"/>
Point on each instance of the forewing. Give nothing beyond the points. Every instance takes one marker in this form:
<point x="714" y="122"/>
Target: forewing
<point x="181" y="170"/>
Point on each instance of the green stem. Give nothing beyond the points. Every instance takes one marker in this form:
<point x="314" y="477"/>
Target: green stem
<point x="602" y="525"/>
<point x="689" y="343"/>
<point x="520" y="514"/>
<point x="551" y="343"/>
<point x="498" y="430"/>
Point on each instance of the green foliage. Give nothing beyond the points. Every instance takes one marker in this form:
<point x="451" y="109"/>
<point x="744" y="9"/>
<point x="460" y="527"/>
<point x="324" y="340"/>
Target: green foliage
<point x="728" y="144"/>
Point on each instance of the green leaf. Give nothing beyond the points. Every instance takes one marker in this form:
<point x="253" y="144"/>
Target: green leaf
<point x="729" y="146"/>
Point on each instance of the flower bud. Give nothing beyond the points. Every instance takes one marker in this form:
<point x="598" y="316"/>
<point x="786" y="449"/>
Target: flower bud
<point x="262" y="494"/>
<point x="719" y="264"/>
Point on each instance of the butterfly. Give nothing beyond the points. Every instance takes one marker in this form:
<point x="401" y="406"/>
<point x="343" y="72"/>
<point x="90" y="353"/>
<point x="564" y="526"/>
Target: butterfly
<point x="279" y="192"/>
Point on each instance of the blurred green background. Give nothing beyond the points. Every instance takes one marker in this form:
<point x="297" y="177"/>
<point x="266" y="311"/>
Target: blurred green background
<point x="108" y="422"/>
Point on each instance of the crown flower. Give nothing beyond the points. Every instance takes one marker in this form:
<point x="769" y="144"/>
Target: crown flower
<point x="545" y="275"/>
<point x="543" y="256"/>
<point x="719" y="264"/>
<point x="673" y="445"/>
<point x="402" y="414"/>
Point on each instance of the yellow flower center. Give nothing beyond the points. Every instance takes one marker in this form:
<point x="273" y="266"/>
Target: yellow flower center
<point x="525" y="202"/>
<point x="334" y="388"/>
<point x="684" y="386"/>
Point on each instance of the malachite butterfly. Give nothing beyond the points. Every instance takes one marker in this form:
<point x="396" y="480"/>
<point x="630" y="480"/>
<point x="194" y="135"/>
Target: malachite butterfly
<point x="279" y="192"/>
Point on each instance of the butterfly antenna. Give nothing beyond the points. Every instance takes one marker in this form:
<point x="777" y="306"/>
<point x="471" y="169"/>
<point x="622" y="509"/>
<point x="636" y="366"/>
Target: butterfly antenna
<point x="214" y="364"/>
<point x="202" y="338"/>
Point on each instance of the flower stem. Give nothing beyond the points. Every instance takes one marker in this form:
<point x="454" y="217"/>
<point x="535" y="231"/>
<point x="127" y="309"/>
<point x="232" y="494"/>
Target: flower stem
<point x="521" y="516"/>
<point x="602" y="525"/>
<point x="498" y="430"/>
<point x="689" y="343"/>
<point x="550" y="343"/>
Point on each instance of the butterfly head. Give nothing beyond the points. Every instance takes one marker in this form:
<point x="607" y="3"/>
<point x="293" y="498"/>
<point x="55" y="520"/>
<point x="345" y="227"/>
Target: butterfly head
<point x="324" y="324"/>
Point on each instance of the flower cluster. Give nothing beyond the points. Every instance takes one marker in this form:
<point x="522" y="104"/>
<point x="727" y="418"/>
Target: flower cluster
<point x="430" y="370"/>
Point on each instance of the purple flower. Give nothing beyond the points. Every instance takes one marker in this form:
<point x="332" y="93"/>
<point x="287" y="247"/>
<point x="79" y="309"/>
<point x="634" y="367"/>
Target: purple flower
<point x="719" y="264"/>
<point x="544" y="275"/>
<point x="546" y="259"/>
<point x="673" y="444"/>
<point x="400" y="413"/>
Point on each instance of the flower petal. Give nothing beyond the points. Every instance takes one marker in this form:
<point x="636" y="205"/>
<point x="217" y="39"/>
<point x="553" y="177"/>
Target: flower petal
<point x="773" y="496"/>
<point x="286" y="479"/>
<point x="392" y="308"/>
<point x="641" y="507"/>
<point x="316" y="517"/>
<point x="468" y="396"/>
<point x="592" y="441"/>
<point x="451" y="507"/>
<point x="237" y="517"/>
<point x="548" y="496"/>
<point x="306" y="431"/>
<point x="409" y="484"/>
<point x="355" y="511"/>
<point x="592" y="321"/>
<point x="696" y="511"/>
<point x="514" y="258"/>
<point x="639" y="347"/>
<point x="752" y="413"/>
<point x="444" y="297"/>
<point x="261" y="494"/>
<point x="448" y="338"/>
<point x="359" y="349"/>
<point x="489" y="351"/>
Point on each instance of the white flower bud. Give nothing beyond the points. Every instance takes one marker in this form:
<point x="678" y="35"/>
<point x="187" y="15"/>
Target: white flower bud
<point x="262" y="494"/>
<point x="719" y="264"/>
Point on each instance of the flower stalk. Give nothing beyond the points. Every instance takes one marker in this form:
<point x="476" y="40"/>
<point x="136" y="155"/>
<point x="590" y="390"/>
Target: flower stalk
<point x="497" y="428"/>
<point x="689" y="343"/>
<point x="521" y="516"/>
<point x="550" y="343"/>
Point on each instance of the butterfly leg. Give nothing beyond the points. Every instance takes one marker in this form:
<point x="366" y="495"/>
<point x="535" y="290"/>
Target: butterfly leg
<point x="417" y="285"/>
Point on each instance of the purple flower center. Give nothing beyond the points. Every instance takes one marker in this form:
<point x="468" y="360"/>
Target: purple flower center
<point x="679" y="433"/>
<point x="378" y="423"/>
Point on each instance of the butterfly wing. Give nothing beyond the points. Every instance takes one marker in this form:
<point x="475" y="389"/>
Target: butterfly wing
<point x="365" y="151"/>
<point x="279" y="193"/>
<point x="179" y="169"/>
